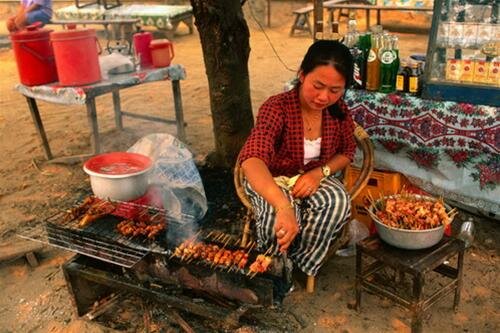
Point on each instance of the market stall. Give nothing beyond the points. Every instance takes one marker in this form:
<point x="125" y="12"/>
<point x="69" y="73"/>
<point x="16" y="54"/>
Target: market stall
<point x="445" y="140"/>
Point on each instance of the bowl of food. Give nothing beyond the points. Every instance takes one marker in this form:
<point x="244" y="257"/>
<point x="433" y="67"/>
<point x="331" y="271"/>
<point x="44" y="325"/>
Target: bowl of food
<point x="411" y="221"/>
<point x="119" y="176"/>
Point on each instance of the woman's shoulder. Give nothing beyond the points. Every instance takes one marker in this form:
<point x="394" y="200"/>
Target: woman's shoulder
<point x="285" y="100"/>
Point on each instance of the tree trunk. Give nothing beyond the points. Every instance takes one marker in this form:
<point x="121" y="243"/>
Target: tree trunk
<point x="225" y="43"/>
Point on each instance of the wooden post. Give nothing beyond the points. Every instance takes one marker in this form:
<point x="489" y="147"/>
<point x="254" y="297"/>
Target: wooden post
<point x="318" y="20"/>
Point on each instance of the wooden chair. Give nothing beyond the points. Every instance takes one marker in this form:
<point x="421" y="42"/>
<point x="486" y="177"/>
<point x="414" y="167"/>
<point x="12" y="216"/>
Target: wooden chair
<point x="365" y="145"/>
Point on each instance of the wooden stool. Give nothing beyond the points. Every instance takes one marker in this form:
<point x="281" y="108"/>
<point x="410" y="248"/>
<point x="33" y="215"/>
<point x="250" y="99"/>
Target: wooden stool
<point x="417" y="263"/>
<point x="302" y="20"/>
<point x="19" y="249"/>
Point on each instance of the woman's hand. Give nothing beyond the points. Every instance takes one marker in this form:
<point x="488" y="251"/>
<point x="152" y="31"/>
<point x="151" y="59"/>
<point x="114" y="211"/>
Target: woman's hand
<point x="307" y="184"/>
<point x="286" y="227"/>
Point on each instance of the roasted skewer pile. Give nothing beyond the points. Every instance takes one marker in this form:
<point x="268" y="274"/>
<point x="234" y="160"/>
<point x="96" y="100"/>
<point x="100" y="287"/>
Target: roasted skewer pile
<point x="142" y="223"/>
<point x="89" y="210"/>
<point x="407" y="211"/>
<point x="220" y="257"/>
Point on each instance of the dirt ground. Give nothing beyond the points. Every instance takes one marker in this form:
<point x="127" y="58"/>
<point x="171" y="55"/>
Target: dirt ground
<point x="37" y="299"/>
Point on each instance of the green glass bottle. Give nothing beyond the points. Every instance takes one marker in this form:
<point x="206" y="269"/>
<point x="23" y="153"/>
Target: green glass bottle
<point x="387" y="58"/>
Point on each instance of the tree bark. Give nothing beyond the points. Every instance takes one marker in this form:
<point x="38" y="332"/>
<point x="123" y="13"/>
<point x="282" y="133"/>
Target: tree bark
<point x="225" y="43"/>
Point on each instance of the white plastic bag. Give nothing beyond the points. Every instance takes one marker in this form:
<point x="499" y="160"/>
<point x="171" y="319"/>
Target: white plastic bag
<point x="176" y="175"/>
<point x="357" y="232"/>
<point x="110" y="61"/>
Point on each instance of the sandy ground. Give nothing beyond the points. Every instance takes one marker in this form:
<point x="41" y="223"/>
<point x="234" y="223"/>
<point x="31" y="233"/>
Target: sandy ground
<point x="36" y="300"/>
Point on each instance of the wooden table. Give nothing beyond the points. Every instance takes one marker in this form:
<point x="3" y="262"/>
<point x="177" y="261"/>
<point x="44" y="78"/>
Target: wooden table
<point x="86" y="95"/>
<point x="331" y="6"/>
<point x="416" y="263"/>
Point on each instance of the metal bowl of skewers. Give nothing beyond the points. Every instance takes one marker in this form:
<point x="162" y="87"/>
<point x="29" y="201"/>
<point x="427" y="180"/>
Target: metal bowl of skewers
<point x="410" y="221"/>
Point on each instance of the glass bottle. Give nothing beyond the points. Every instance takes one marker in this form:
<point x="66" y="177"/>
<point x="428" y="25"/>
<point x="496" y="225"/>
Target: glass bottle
<point x="414" y="79"/>
<point x="467" y="232"/>
<point x="387" y="58"/>
<point x="373" y="65"/>
<point x="395" y="50"/>
<point x="364" y="45"/>
<point x="402" y="78"/>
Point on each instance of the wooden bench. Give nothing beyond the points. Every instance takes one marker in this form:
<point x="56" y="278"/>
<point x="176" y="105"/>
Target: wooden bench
<point x="332" y="6"/>
<point x="301" y="21"/>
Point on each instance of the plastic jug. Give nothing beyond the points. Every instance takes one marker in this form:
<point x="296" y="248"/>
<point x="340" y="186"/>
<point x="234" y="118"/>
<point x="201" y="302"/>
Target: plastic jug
<point x="34" y="55"/>
<point x="162" y="52"/>
<point x="141" y="42"/>
<point x="77" y="56"/>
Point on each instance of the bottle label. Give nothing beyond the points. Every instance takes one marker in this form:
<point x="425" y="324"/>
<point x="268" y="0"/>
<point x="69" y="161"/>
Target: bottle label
<point x="400" y="83"/>
<point x="413" y="84"/>
<point x="357" y="75"/>
<point x="387" y="57"/>
<point x="372" y="56"/>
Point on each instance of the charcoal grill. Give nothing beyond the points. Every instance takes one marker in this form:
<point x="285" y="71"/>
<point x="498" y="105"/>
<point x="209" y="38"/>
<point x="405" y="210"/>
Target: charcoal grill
<point x="107" y="262"/>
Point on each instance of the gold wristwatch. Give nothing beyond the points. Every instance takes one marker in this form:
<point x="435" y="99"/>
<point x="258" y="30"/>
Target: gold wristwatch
<point x="325" y="169"/>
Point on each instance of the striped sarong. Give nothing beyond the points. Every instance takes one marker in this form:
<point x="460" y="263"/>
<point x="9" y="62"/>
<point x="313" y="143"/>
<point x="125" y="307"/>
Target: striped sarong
<point x="320" y="217"/>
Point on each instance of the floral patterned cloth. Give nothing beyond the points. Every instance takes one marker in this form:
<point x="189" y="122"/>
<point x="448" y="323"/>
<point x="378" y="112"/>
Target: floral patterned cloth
<point x="447" y="148"/>
<point x="159" y="16"/>
<point x="78" y="95"/>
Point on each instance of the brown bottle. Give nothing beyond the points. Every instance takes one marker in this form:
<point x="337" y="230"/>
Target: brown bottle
<point x="402" y="78"/>
<point x="373" y="65"/>
<point x="414" y="80"/>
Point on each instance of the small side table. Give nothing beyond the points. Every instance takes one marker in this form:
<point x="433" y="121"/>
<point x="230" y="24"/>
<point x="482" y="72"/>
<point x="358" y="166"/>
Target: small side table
<point x="417" y="263"/>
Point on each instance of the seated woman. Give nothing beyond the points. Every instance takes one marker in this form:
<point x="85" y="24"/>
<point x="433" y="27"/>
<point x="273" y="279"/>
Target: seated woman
<point x="31" y="11"/>
<point x="308" y="131"/>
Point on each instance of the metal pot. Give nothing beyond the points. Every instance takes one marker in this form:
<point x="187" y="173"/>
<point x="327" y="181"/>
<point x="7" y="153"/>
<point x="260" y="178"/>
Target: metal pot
<point x="404" y="238"/>
<point x="119" y="176"/>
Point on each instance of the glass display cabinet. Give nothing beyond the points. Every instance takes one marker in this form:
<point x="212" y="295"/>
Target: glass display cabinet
<point x="463" y="55"/>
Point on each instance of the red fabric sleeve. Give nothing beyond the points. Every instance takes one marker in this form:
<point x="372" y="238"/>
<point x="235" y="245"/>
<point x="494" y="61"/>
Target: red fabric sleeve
<point x="262" y="140"/>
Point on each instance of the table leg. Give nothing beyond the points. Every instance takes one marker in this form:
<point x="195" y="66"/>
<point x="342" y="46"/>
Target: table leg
<point x="35" y="115"/>
<point x="416" y="320"/>
<point x="367" y="19"/>
<point x="378" y="16"/>
<point x="92" y="118"/>
<point x="118" y="109"/>
<point x="460" y="265"/>
<point x="359" y="271"/>
<point x="179" y="116"/>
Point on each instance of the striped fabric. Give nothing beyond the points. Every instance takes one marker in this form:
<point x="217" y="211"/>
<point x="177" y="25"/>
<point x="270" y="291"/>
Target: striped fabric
<point x="320" y="216"/>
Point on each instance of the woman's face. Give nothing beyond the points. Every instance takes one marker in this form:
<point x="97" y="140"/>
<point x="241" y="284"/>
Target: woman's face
<point x="321" y="87"/>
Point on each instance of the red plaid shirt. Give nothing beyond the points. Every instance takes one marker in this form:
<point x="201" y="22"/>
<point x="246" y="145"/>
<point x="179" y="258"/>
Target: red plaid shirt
<point x="278" y="136"/>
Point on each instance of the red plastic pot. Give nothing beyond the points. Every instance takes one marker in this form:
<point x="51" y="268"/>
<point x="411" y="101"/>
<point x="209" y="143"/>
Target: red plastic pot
<point x="77" y="56"/>
<point x="141" y="47"/>
<point x="34" y="56"/>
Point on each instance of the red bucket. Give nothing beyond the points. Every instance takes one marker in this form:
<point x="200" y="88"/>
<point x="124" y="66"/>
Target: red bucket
<point x="34" y="56"/>
<point x="77" y="56"/>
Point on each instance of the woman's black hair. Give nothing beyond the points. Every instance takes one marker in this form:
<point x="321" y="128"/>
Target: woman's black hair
<point x="336" y="54"/>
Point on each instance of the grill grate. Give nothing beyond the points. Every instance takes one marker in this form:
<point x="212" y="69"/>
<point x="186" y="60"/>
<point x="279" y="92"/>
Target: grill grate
<point x="100" y="239"/>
